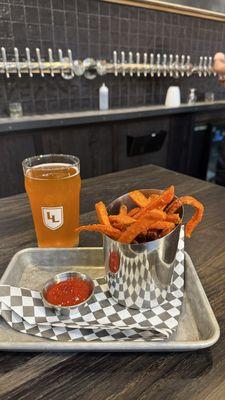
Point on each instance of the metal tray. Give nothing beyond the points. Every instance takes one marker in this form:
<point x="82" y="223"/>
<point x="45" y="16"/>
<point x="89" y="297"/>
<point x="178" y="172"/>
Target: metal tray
<point x="30" y="268"/>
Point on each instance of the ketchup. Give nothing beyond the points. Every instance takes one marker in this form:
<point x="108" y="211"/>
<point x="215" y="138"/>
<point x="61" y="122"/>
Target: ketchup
<point x="68" y="293"/>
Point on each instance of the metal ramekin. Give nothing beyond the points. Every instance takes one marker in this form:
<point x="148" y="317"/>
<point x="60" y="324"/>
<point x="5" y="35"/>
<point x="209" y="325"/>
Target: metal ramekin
<point x="65" y="310"/>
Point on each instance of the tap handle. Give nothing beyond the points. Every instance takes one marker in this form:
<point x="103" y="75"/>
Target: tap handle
<point x="171" y="64"/>
<point x="164" y="64"/>
<point x="145" y="64"/>
<point x="176" y="66"/>
<point x="115" y="62"/>
<point x="131" y="62"/>
<point x="138" y="63"/>
<point x="4" y="59"/>
<point x="123" y="63"/>
<point x="17" y="60"/>
<point x="29" y="61"/>
<point x="182" y="65"/>
<point x="188" y="66"/>
<point x="205" y="66"/>
<point x="39" y="61"/>
<point x="210" y="66"/>
<point x="158" y="66"/>
<point x="50" y="57"/>
<point x="70" y="57"/>
<point x="200" y="66"/>
<point x="152" y="64"/>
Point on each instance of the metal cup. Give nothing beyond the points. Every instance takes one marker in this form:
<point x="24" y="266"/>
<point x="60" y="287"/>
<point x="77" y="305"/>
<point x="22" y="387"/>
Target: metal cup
<point x="140" y="275"/>
<point x="66" y="310"/>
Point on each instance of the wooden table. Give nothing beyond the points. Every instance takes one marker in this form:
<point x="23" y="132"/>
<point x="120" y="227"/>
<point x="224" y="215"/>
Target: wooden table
<point x="113" y="376"/>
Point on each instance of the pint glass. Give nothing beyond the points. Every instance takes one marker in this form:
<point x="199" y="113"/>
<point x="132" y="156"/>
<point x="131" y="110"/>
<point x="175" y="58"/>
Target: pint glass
<point x="52" y="182"/>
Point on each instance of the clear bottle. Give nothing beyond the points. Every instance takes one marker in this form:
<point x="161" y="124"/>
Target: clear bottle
<point x="192" y="97"/>
<point x="103" y="97"/>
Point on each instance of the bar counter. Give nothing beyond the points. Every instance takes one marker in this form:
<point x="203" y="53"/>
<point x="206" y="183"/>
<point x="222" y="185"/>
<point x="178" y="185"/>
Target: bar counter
<point x="95" y="116"/>
<point x="195" y="375"/>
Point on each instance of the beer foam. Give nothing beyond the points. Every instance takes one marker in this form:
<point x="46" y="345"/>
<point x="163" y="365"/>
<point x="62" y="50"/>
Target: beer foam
<point x="49" y="170"/>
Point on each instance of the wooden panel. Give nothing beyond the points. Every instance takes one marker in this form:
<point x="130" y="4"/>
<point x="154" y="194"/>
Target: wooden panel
<point x="138" y="128"/>
<point x="91" y="143"/>
<point x="14" y="148"/>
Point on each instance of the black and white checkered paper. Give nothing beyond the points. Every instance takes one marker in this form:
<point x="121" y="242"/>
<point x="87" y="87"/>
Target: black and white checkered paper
<point x="102" y="318"/>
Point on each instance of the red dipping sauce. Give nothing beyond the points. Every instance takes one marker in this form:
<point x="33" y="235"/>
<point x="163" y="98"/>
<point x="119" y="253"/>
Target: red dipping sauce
<point x="69" y="293"/>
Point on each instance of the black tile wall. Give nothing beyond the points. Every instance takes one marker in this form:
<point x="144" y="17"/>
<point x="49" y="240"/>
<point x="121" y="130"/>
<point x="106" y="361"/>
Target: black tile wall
<point x="92" y="28"/>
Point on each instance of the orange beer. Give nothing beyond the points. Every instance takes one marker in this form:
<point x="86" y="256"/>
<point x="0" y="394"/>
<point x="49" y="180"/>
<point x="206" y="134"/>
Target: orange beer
<point x="53" y="187"/>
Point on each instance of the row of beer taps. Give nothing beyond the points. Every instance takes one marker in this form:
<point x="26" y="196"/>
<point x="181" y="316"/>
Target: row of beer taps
<point x="147" y="65"/>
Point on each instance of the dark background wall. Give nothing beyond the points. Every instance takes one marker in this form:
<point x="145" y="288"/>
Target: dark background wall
<point x="91" y="28"/>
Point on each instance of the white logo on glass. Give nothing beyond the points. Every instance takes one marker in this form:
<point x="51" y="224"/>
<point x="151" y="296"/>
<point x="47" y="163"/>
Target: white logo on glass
<point x="52" y="217"/>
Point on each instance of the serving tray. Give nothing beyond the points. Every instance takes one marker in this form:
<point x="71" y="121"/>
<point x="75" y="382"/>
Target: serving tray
<point x="30" y="268"/>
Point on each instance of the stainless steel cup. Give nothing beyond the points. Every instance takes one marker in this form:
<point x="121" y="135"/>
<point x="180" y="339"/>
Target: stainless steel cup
<point x="65" y="310"/>
<point x="140" y="275"/>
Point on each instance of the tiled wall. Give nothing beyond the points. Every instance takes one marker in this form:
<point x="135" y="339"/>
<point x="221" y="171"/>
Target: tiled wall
<point x="92" y="28"/>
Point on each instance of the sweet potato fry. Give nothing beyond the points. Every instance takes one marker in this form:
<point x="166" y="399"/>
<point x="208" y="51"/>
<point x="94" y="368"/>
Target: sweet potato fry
<point x="153" y="196"/>
<point x="102" y="213"/>
<point x="165" y="231"/>
<point x="123" y="209"/>
<point x="134" y="211"/>
<point x="119" y="226"/>
<point x="141" y="225"/>
<point x="197" y="217"/>
<point x="153" y="218"/>
<point x="174" y="206"/>
<point x="107" y="230"/>
<point x="175" y="218"/>
<point x="165" y="198"/>
<point x="122" y="219"/>
<point x="138" y="198"/>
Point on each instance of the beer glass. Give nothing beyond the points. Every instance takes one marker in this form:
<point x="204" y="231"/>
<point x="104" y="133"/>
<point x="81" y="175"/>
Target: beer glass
<point x="53" y="183"/>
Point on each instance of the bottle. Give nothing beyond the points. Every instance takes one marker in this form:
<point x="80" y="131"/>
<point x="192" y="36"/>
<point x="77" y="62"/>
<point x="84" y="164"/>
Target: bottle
<point x="192" y="97"/>
<point x="103" y="97"/>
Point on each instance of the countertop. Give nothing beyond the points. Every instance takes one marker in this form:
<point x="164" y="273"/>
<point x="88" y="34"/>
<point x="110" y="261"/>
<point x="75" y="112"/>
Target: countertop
<point x="96" y="116"/>
<point x="196" y="375"/>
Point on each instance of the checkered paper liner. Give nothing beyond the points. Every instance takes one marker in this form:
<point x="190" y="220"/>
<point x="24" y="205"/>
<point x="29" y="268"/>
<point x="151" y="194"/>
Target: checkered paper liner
<point x="102" y="318"/>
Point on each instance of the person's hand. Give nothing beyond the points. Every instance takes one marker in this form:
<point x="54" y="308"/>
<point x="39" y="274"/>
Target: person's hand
<point x="219" y="66"/>
<point x="219" y="63"/>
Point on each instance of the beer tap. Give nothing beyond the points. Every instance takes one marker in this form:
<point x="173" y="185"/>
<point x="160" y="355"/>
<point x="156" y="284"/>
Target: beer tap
<point x="188" y="66"/>
<point x="40" y="61"/>
<point x="123" y="63"/>
<point x="131" y="62"/>
<point x="158" y="66"/>
<point x="115" y="63"/>
<point x="182" y="66"/>
<point x="29" y="61"/>
<point x="50" y="57"/>
<point x="164" y="65"/>
<point x="138" y="62"/>
<point x="152" y="64"/>
<point x="200" y="66"/>
<point x="4" y="59"/>
<point x="145" y="64"/>
<point x="205" y="66"/>
<point x="176" y="66"/>
<point x="171" y="65"/>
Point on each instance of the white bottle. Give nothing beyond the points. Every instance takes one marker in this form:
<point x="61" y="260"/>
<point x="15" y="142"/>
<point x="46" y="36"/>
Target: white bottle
<point x="103" y="97"/>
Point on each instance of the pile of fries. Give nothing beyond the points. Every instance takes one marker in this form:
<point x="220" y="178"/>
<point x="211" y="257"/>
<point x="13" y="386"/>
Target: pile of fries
<point x="151" y="217"/>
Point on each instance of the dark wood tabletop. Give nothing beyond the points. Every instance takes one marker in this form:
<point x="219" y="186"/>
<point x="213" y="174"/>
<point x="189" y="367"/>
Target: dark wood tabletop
<point x="195" y="375"/>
